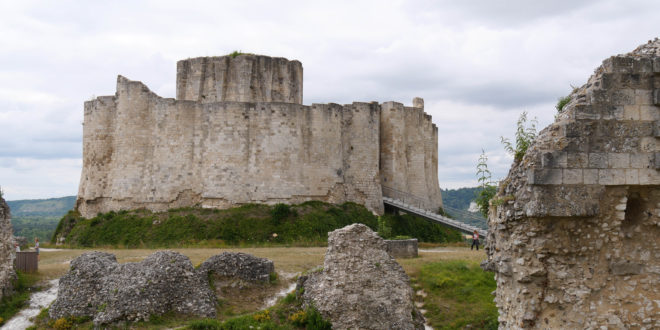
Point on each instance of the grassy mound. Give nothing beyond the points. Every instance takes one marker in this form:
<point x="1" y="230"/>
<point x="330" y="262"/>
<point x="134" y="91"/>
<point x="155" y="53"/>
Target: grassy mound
<point x="304" y="224"/>
<point x="12" y="304"/>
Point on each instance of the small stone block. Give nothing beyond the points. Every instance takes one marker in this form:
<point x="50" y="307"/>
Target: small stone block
<point x="656" y="128"/>
<point x="572" y="176"/>
<point x="649" y="176"/>
<point x="632" y="176"/>
<point x="611" y="177"/>
<point x="597" y="160"/>
<point x="643" y="65"/>
<point x="642" y="160"/>
<point x="656" y="97"/>
<point x="590" y="176"/>
<point x="554" y="159"/>
<point x="544" y="176"/>
<point x="618" y="160"/>
<point x="657" y="160"/>
<point x="656" y="65"/>
<point x="577" y="160"/>
<point x="649" y="112"/>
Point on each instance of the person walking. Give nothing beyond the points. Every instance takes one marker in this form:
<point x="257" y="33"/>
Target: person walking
<point x="36" y="247"/>
<point x="475" y="240"/>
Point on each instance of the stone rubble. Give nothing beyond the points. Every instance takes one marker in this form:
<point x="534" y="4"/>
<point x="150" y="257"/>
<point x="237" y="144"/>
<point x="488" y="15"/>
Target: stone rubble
<point x="99" y="287"/>
<point x="237" y="264"/>
<point x="360" y="285"/>
<point x="573" y="239"/>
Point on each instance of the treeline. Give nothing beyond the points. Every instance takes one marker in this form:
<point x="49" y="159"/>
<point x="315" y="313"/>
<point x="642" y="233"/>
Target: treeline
<point x="31" y="227"/>
<point x="253" y="224"/>
<point x="456" y="203"/>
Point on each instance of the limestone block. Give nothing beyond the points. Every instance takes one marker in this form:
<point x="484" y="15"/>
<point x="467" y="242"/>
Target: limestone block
<point x="631" y="112"/>
<point x="649" y="176"/>
<point x="649" y="112"/>
<point x="623" y="97"/>
<point x="644" y="96"/>
<point x="544" y="176"/>
<point x="555" y="159"/>
<point x="656" y="128"/>
<point x="609" y="177"/>
<point x="418" y="102"/>
<point x="656" y="65"/>
<point x="626" y="267"/>
<point x="657" y="160"/>
<point x="590" y="176"/>
<point x="642" y="65"/>
<point x="597" y="160"/>
<point x="618" y="160"/>
<point x="572" y="176"/>
<point x="641" y="160"/>
<point x="632" y="176"/>
<point x="656" y="97"/>
<point x="577" y="160"/>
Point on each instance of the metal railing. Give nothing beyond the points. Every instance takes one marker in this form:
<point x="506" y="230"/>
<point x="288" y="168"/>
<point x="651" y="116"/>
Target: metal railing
<point x="405" y="197"/>
<point x="435" y="217"/>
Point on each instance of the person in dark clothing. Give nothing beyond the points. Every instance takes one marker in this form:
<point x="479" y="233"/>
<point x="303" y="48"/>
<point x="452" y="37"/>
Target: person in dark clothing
<point x="475" y="240"/>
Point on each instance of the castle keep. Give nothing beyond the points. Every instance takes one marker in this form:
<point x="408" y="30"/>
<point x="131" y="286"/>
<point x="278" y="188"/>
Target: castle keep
<point x="238" y="133"/>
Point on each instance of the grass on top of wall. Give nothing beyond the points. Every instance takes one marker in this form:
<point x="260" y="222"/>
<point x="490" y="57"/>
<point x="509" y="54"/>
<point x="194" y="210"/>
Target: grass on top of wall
<point x="305" y="224"/>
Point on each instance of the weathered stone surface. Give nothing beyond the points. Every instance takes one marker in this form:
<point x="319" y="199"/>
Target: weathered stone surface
<point x="7" y="251"/>
<point x="402" y="248"/>
<point x="236" y="264"/>
<point x="97" y="286"/>
<point x="584" y="255"/>
<point x="237" y="134"/>
<point x="361" y="286"/>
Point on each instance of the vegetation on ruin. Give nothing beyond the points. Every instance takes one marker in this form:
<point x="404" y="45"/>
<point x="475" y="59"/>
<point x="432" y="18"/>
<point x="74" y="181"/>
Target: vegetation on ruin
<point x="305" y="224"/>
<point x="562" y="102"/>
<point x="10" y="305"/>
<point x="487" y="186"/>
<point x="238" y="53"/>
<point x="458" y="295"/>
<point x="525" y="136"/>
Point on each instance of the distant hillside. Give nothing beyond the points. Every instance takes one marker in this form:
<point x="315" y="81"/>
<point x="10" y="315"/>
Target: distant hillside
<point x="52" y="207"/>
<point x="39" y="217"/>
<point x="456" y="203"/>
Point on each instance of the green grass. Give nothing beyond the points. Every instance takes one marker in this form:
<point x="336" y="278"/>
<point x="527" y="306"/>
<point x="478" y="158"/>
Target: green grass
<point x="458" y="294"/>
<point x="305" y="224"/>
<point x="23" y="287"/>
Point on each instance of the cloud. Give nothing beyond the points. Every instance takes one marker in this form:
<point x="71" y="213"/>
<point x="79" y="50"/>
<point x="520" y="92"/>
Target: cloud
<point x="478" y="64"/>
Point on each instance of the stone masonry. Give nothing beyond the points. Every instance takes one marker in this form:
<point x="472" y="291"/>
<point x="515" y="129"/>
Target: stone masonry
<point x="574" y="239"/>
<point x="238" y="133"/>
<point x="7" y="254"/>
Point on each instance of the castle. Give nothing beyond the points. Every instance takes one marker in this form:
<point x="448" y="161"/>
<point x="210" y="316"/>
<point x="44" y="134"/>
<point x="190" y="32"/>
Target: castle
<point x="238" y="133"/>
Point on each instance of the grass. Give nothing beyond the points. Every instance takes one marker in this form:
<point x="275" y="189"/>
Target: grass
<point x="23" y="287"/>
<point x="426" y="273"/>
<point x="305" y="224"/>
<point x="458" y="295"/>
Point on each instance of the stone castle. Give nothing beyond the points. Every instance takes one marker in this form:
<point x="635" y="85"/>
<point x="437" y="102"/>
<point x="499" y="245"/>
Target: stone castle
<point x="574" y="240"/>
<point x="238" y="133"/>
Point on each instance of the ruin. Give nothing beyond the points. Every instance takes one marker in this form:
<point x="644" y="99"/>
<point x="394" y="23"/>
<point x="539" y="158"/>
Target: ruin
<point x="7" y="254"/>
<point x="238" y="133"/>
<point x="573" y="234"/>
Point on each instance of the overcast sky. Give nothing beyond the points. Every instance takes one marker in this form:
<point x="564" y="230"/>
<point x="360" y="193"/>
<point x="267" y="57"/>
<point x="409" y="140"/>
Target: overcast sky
<point x="477" y="64"/>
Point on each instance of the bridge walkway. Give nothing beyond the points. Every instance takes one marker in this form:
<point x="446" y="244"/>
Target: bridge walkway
<point x="458" y="225"/>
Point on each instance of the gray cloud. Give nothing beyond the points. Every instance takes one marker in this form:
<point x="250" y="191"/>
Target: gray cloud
<point x="478" y="64"/>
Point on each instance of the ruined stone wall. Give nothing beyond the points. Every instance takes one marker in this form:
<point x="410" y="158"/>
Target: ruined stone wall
<point x="245" y="78"/>
<point x="574" y="243"/>
<point x="409" y="155"/>
<point x="238" y="134"/>
<point x="7" y="252"/>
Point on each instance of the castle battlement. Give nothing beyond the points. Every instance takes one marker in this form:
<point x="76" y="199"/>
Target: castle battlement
<point x="238" y="133"/>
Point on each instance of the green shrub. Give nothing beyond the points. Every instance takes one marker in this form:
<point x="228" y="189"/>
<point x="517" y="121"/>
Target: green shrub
<point x="562" y="102"/>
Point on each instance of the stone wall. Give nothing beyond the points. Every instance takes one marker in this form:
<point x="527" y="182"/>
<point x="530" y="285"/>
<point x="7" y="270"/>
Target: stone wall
<point x="402" y="248"/>
<point x="219" y="146"/>
<point x="7" y="252"/>
<point x="245" y="78"/>
<point x="575" y="242"/>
